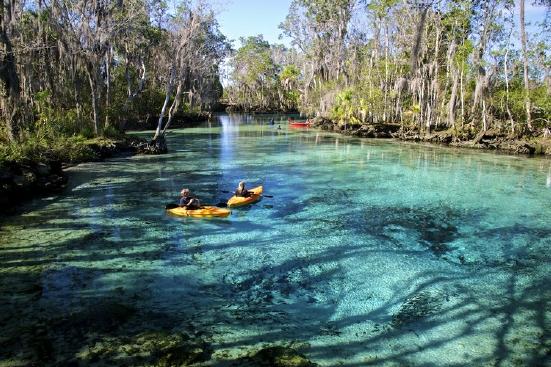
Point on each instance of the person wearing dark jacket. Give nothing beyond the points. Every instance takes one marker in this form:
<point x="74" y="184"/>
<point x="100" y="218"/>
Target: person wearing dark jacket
<point x="187" y="201"/>
<point x="242" y="191"/>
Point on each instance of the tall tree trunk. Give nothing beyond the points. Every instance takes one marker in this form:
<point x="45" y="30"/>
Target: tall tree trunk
<point x="478" y="95"/>
<point x="462" y="93"/>
<point x="76" y="84"/>
<point x="547" y="79"/>
<point x="506" y="74"/>
<point x="174" y="107"/>
<point x="525" y="62"/>
<point x="169" y="86"/>
<point x="9" y="79"/>
<point x="453" y="97"/>
<point x="92" y="80"/>
<point x="435" y="84"/>
<point x="387" y="46"/>
<point x="484" y="120"/>
<point x="108" y="56"/>
<point x="418" y="39"/>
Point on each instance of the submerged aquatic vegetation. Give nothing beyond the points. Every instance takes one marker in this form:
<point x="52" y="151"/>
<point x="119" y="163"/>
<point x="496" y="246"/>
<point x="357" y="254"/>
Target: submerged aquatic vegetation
<point x="275" y="356"/>
<point x="433" y="227"/>
<point x="417" y="307"/>
<point x="149" y="348"/>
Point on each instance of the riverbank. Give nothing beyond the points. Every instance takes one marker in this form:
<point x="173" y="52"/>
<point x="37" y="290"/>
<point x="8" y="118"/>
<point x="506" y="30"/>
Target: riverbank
<point x="492" y="139"/>
<point x="38" y="172"/>
<point x="255" y="110"/>
<point x="34" y="167"/>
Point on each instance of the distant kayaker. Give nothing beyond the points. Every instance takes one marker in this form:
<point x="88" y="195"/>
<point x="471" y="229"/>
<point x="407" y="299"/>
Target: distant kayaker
<point x="187" y="201"/>
<point x="242" y="191"/>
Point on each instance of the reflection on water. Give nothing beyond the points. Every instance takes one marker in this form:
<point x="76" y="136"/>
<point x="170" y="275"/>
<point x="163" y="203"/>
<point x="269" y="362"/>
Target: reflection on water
<point x="369" y="253"/>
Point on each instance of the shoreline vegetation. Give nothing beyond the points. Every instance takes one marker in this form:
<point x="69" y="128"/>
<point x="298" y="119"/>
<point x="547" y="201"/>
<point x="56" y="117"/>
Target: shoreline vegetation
<point x="35" y="167"/>
<point x="467" y="137"/>
<point x="37" y="170"/>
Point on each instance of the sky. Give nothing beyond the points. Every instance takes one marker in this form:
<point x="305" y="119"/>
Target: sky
<point x="243" y="18"/>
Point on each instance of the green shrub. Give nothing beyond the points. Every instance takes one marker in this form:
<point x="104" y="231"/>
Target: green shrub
<point x="111" y="131"/>
<point x="35" y="148"/>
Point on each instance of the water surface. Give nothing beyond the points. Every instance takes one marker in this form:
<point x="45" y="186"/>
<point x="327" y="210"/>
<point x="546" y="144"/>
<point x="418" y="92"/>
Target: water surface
<point x="369" y="253"/>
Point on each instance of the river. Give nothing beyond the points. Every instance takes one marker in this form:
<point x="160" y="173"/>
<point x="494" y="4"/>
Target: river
<point x="370" y="252"/>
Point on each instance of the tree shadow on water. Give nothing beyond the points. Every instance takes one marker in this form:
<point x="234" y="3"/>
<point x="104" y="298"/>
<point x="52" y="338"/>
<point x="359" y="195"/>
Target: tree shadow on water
<point x="134" y="291"/>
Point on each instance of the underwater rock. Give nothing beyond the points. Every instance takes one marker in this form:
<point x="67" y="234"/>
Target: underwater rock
<point x="416" y="307"/>
<point x="434" y="227"/>
<point x="103" y="317"/>
<point x="157" y="348"/>
<point x="276" y="356"/>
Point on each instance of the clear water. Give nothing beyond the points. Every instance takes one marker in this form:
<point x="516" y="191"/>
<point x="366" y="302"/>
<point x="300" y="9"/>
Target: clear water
<point x="369" y="253"/>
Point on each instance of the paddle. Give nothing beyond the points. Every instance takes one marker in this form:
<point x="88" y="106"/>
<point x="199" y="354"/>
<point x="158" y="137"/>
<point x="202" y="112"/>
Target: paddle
<point x="173" y="206"/>
<point x="231" y="192"/>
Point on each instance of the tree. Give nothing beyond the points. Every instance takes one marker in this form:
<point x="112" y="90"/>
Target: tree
<point x="319" y="28"/>
<point x="196" y="49"/>
<point x="9" y="76"/>
<point x="254" y="75"/>
<point x="525" y="64"/>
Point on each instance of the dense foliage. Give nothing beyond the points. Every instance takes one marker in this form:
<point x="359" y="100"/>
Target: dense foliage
<point x="425" y="63"/>
<point x="79" y="67"/>
<point x="263" y="77"/>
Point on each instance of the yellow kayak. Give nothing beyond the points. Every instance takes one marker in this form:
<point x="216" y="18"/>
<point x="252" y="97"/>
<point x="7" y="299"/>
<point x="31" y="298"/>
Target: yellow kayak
<point x="240" y="201"/>
<point x="203" y="212"/>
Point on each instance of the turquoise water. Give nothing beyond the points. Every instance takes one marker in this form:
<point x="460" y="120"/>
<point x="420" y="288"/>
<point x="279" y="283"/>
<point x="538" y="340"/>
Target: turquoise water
<point x="369" y="253"/>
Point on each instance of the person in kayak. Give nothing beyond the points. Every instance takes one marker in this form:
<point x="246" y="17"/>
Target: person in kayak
<point x="187" y="201"/>
<point x="242" y="191"/>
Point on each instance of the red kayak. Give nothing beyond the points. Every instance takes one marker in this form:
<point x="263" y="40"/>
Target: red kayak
<point x="296" y="123"/>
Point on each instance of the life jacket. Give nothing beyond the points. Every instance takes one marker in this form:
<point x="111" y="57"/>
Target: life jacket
<point x="185" y="200"/>
<point x="242" y="193"/>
